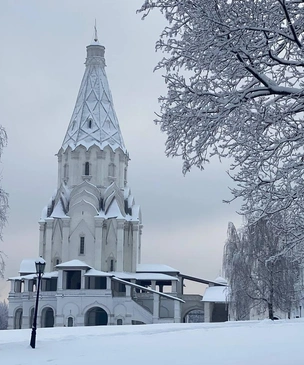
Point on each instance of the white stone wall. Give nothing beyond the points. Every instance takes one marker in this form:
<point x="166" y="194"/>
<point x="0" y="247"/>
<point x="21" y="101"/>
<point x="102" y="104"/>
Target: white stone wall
<point x="71" y="166"/>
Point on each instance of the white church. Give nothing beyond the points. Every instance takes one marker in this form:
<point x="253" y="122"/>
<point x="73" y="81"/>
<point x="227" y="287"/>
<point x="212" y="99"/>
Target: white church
<point x="90" y="234"/>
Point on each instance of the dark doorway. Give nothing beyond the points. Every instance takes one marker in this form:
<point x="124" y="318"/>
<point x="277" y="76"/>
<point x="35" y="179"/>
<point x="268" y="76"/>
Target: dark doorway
<point x="18" y="319"/>
<point x="220" y="312"/>
<point x="96" y="317"/>
<point x="47" y="317"/>
<point x="73" y="279"/>
<point x="70" y="322"/>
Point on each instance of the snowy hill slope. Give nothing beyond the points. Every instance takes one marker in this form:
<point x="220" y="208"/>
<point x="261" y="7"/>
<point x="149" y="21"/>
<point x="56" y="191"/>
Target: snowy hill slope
<point x="233" y="343"/>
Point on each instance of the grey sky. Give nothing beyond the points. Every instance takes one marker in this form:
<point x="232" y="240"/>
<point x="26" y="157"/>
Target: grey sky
<point x="41" y="66"/>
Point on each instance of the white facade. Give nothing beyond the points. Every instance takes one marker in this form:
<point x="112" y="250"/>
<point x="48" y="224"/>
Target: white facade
<point x="90" y="231"/>
<point x="93" y="215"/>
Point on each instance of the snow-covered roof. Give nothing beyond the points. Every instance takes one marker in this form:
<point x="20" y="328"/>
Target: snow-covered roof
<point x="155" y="268"/>
<point x="221" y="280"/>
<point x="144" y="276"/>
<point x="149" y="290"/>
<point x="27" y="266"/>
<point x="94" y="121"/>
<point x="58" y="211"/>
<point x="93" y="272"/>
<point x="73" y="263"/>
<point x="47" y="275"/>
<point x="217" y="294"/>
<point x="155" y="276"/>
<point x="114" y="211"/>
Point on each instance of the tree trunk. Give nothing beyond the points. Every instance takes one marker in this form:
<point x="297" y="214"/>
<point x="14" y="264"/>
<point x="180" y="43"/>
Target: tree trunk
<point x="270" y="311"/>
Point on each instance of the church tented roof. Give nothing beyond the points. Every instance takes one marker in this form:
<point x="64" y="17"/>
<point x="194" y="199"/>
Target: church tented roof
<point x="94" y="121"/>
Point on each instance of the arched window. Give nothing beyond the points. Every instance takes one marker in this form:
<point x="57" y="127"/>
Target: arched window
<point x="111" y="265"/>
<point x="87" y="168"/>
<point x="56" y="262"/>
<point x="81" y="245"/>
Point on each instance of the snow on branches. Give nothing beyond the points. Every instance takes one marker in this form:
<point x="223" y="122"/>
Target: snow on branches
<point x="234" y="73"/>
<point x="259" y="277"/>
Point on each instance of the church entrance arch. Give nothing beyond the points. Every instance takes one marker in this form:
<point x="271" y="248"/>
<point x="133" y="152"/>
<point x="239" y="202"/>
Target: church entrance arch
<point x="194" y="316"/>
<point x="18" y="319"/>
<point x="96" y="316"/>
<point x="47" y="317"/>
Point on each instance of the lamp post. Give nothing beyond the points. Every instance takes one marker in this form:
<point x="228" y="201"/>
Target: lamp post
<point x="40" y="266"/>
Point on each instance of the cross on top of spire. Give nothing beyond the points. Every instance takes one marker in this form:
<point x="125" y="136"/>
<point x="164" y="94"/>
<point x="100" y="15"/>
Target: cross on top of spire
<point x="95" y="29"/>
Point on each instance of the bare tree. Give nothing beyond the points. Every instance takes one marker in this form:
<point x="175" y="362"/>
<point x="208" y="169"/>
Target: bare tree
<point x="234" y="74"/>
<point x="258" y="274"/>
<point x="3" y="315"/>
<point x="3" y="202"/>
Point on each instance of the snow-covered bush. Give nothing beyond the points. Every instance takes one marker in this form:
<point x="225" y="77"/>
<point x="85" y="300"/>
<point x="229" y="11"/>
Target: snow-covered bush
<point x="3" y="315"/>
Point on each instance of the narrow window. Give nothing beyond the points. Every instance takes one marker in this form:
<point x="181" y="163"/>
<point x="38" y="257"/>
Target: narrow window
<point x="81" y="246"/>
<point x="90" y="123"/>
<point x="112" y="265"/>
<point x="111" y="170"/>
<point x="87" y="168"/>
<point x="66" y="171"/>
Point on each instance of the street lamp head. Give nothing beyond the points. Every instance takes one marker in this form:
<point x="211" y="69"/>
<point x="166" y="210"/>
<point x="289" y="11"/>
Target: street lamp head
<point x="40" y="266"/>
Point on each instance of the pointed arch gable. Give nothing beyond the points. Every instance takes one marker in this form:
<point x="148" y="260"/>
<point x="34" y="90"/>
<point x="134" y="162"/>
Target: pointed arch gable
<point x="87" y="186"/>
<point x="82" y="227"/>
<point x="110" y="189"/>
<point x="57" y="229"/>
<point x="96" y="304"/>
<point x="114" y="210"/>
<point x="83" y="205"/>
<point x="111" y="193"/>
<point x="87" y="196"/>
<point x="111" y="232"/>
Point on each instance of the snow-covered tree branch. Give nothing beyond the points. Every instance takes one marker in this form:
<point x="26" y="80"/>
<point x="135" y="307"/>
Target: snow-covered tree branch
<point x="234" y="74"/>
<point x="260" y="278"/>
<point x="3" y="201"/>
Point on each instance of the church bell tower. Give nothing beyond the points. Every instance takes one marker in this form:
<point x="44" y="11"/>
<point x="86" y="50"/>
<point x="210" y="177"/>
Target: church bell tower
<point x="92" y="217"/>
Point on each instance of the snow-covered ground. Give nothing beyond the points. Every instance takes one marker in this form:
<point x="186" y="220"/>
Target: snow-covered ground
<point x="234" y="343"/>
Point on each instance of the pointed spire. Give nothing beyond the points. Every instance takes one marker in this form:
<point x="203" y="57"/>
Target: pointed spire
<point x="94" y="121"/>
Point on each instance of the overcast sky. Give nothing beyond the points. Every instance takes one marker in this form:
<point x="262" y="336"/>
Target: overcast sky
<point x="43" y="49"/>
